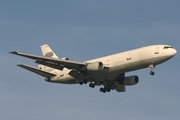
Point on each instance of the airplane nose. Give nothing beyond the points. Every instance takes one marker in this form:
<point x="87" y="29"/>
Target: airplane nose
<point x="174" y="51"/>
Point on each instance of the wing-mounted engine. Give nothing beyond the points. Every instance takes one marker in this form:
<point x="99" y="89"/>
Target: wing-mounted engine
<point x="130" y="80"/>
<point x="95" y="66"/>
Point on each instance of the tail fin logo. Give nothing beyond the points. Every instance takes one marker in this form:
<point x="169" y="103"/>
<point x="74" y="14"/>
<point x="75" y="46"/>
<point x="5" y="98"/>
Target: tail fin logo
<point x="49" y="55"/>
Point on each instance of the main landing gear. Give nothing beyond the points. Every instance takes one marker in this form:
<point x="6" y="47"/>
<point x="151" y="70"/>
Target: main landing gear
<point x="152" y="67"/>
<point x="83" y="82"/>
<point x="92" y="84"/>
<point x="108" y="86"/>
<point x="104" y="90"/>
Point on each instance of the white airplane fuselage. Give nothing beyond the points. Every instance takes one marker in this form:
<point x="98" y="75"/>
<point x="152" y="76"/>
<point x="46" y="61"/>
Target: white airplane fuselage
<point x="120" y="63"/>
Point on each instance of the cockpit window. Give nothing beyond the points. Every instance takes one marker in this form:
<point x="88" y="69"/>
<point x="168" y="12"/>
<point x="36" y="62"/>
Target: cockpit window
<point x="166" y="47"/>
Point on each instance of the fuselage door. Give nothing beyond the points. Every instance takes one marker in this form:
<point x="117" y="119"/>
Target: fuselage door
<point x="128" y="60"/>
<point x="156" y="50"/>
<point x="156" y="55"/>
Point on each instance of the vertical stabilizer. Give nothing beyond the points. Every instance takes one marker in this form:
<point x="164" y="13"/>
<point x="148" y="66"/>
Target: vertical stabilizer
<point x="48" y="52"/>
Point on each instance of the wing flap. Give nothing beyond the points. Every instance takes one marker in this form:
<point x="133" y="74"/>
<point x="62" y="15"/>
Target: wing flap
<point x="37" y="71"/>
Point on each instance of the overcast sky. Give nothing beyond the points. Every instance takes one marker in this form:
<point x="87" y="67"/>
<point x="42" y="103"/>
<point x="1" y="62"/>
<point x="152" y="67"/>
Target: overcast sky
<point x="83" y="30"/>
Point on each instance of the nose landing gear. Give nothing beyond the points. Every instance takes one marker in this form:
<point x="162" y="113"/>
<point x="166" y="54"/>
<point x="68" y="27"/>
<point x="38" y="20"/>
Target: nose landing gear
<point x="152" y="73"/>
<point x="152" y="67"/>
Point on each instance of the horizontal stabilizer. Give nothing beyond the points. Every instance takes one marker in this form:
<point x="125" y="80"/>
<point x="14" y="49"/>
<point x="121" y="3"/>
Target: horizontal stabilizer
<point x="37" y="71"/>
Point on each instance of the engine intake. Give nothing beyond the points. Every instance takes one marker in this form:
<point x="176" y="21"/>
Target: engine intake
<point x="95" y="66"/>
<point x="131" y="80"/>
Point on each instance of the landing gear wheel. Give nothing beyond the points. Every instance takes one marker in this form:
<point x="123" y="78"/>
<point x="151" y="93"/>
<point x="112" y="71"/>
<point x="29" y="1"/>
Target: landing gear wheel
<point x="101" y="89"/>
<point x="152" y="73"/>
<point x="81" y="83"/>
<point x="85" y="81"/>
<point x="91" y="85"/>
<point x="108" y="90"/>
<point x="104" y="91"/>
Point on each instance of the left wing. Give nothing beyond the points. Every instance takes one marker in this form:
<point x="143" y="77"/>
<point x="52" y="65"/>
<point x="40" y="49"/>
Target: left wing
<point x="53" y="62"/>
<point x="37" y="71"/>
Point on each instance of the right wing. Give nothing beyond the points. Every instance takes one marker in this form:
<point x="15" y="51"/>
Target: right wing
<point x="53" y="62"/>
<point x="37" y="71"/>
<point x="77" y="69"/>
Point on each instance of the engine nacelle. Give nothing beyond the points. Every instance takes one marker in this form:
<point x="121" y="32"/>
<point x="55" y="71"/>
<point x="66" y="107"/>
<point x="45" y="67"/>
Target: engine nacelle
<point x="95" y="66"/>
<point x="131" y="80"/>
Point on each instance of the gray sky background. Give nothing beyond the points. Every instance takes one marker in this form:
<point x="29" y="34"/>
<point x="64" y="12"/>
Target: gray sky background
<point x="83" y="30"/>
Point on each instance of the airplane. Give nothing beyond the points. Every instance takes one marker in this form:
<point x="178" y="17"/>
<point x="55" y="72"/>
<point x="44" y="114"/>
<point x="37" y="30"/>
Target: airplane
<point x="108" y="71"/>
